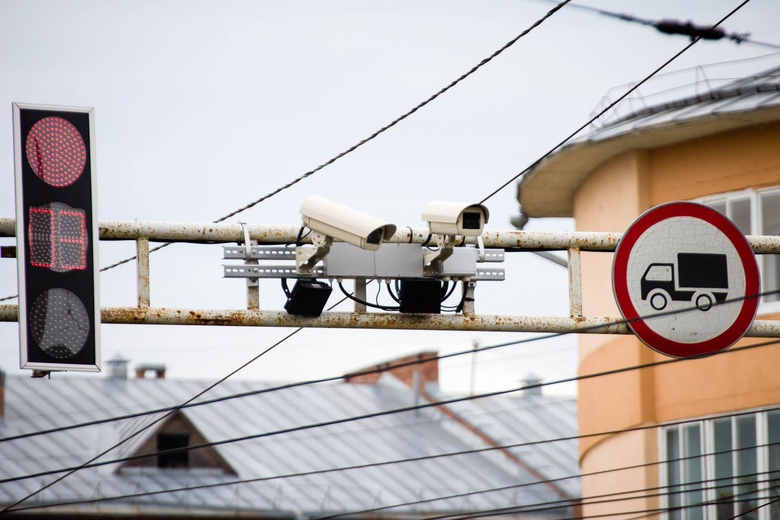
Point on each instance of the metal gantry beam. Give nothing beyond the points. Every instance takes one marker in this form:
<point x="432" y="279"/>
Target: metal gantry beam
<point x="573" y="243"/>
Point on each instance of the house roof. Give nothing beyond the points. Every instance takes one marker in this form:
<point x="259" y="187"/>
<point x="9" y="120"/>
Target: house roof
<point x="548" y="189"/>
<point x="284" y="437"/>
<point x="520" y="421"/>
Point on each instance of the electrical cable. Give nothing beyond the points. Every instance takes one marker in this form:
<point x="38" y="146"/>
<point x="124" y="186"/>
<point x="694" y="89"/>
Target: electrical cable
<point x="447" y="290"/>
<point x="134" y="257"/>
<point x="301" y="235"/>
<point x="557" y="505"/>
<point x="393" y="366"/>
<point x="421" y="105"/>
<point x="154" y="422"/>
<point x="757" y="508"/>
<point x="431" y="404"/>
<point x="399" y="119"/>
<point x="560" y="504"/>
<point x="666" y="361"/>
<point x="738" y="414"/>
<point x="141" y="430"/>
<point x="71" y="470"/>
<point x="363" y="302"/>
<point x="459" y="307"/>
<point x="645" y="512"/>
<point x="378" y="293"/>
<point x="520" y="510"/>
<point x="597" y="115"/>
<point x="394" y="295"/>
<point x="389" y="367"/>
<point x="676" y="27"/>
<point x="362" y="142"/>
<point x="286" y="289"/>
<point x="460" y="495"/>
<point x="610" y="106"/>
<point x="301" y="179"/>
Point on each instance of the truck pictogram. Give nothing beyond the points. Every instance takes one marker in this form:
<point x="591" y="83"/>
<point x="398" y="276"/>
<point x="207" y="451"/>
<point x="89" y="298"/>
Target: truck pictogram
<point x="698" y="277"/>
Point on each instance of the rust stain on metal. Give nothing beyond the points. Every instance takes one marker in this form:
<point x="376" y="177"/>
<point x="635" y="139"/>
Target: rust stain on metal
<point x="259" y="318"/>
<point x="510" y="240"/>
<point x="227" y="232"/>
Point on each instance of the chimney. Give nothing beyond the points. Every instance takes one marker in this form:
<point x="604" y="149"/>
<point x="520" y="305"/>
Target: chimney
<point x="117" y="367"/>
<point x="534" y="381"/>
<point x="158" y="369"/>
<point x="415" y="371"/>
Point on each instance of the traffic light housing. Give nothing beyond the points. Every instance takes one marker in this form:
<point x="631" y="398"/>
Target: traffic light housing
<point x="56" y="235"/>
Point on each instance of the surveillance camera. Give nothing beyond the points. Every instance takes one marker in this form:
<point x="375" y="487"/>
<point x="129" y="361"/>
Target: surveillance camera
<point x="455" y="218"/>
<point x="344" y="223"/>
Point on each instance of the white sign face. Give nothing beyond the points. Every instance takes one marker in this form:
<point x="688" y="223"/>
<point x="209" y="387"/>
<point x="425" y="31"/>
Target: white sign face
<point x="686" y="280"/>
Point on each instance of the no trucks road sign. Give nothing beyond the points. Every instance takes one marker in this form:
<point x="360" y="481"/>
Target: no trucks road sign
<point x="686" y="280"/>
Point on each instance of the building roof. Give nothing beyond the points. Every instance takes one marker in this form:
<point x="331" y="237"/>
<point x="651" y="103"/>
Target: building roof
<point x="285" y="466"/>
<point x="521" y="421"/>
<point x="548" y="189"/>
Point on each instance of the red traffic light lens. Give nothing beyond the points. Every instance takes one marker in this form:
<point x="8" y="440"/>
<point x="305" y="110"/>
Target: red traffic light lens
<point x="58" y="237"/>
<point x="56" y="151"/>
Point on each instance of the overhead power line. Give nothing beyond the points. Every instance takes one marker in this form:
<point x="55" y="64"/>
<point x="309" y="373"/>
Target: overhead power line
<point x="385" y="368"/>
<point x="610" y="106"/>
<point x="676" y="27"/>
<point x="603" y="499"/>
<point x="93" y="463"/>
<point x="364" y="141"/>
<point x="390" y="125"/>
<point x="644" y="427"/>
<point x="156" y="421"/>
<point x="671" y="489"/>
<point x="329" y="162"/>
<point x="453" y="454"/>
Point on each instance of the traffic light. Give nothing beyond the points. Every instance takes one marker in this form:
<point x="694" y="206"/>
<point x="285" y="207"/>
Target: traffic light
<point x="56" y="236"/>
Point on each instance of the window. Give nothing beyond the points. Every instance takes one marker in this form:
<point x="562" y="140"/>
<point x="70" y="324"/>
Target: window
<point x="770" y="225"/>
<point x="755" y="213"/>
<point x="723" y="467"/>
<point x="173" y="441"/>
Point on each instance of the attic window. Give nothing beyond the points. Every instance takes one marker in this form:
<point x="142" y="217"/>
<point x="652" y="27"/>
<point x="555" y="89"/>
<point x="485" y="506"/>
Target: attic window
<point x="170" y="445"/>
<point x="173" y="441"/>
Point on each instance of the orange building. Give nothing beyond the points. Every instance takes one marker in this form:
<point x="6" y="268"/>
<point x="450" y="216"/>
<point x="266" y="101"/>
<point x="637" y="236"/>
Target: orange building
<point x="697" y="438"/>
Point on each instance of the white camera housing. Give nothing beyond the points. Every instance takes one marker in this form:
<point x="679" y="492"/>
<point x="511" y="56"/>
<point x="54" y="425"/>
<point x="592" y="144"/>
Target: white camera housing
<point x="344" y="223"/>
<point x="455" y="218"/>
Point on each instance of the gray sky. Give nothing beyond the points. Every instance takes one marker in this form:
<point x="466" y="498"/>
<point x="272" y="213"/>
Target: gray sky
<point x="202" y="107"/>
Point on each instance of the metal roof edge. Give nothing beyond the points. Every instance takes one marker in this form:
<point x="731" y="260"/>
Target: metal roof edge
<point x="548" y="190"/>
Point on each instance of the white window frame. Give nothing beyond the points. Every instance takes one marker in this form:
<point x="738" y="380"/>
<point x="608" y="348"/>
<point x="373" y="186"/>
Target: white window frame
<point x="756" y="228"/>
<point x="707" y="430"/>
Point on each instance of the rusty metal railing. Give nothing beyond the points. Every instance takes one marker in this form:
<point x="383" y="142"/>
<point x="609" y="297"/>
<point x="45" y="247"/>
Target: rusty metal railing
<point x="573" y="243"/>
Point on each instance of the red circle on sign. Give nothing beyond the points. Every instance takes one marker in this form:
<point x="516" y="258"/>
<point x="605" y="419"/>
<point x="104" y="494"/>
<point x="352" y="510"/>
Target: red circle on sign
<point x="56" y="151"/>
<point x="626" y="305"/>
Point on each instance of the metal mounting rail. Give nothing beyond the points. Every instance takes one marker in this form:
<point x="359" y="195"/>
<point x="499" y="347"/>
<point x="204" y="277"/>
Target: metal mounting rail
<point x="267" y="271"/>
<point x="251" y="269"/>
<point x="143" y="232"/>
